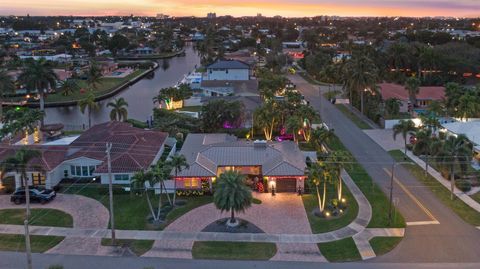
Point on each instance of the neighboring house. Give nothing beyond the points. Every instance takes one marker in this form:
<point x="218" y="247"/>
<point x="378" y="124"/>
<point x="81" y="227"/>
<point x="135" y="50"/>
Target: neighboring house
<point x="143" y="51"/>
<point x="133" y="149"/>
<point x="280" y="165"/>
<point x="425" y="96"/>
<point x="229" y="87"/>
<point x="471" y="129"/>
<point x="228" y="70"/>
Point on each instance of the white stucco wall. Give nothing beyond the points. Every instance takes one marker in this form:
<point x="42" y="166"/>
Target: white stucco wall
<point x="232" y="74"/>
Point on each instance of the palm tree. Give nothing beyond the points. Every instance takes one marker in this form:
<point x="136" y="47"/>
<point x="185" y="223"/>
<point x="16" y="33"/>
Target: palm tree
<point x="412" y="85"/>
<point x="94" y="76"/>
<point x="320" y="135"/>
<point x="392" y="106"/>
<point x="404" y="127"/>
<point x="6" y="86"/>
<point x="177" y="162"/>
<point x="426" y="144"/>
<point x="68" y="87"/>
<point x="454" y="151"/>
<point x="19" y="163"/>
<point x="294" y="124"/>
<point x="232" y="194"/>
<point x="361" y="75"/>
<point x="173" y="94"/>
<point x="267" y="117"/>
<point x="90" y="103"/>
<point x="468" y="105"/>
<point x="337" y="160"/>
<point x="21" y="120"/>
<point x="319" y="175"/>
<point x="436" y="108"/>
<point x="39" y="76"/>
<point x="119" y="109"/>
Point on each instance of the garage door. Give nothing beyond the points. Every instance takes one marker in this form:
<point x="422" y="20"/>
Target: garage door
<point x="286" y="185"/>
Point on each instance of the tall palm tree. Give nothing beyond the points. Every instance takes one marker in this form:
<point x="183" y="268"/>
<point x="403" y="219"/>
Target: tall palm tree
<point x="20" y="121"/>
<point x="454" y="151"/>
<point x="6" y="86"/>
<point x="267" y="117"/>
<point x="426" y="144"/>
<point x="232" y="194"/>
<point x="39" y="76"/>
<point x="178" y="163"/>
<point x="19" y="163"/>
<point x="94" y="76"/>
<point x="468" y="105"/>
<point x="68" y="87"/>
<point x="412" y="85"/>
<point x="294" y="124"/>
<point x="89" y="103"/>
<point x="319" y="174"/>
<point x="404" y="127"/>
<point x="337" y="161"/>
<point x="321" y="135"/>
<point x="119" y="109"/>
<point x="361" y="75"/>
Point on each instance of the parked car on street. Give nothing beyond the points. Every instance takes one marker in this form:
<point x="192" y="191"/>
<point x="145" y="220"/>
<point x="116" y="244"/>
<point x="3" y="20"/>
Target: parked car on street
<point x="36" y="195"/>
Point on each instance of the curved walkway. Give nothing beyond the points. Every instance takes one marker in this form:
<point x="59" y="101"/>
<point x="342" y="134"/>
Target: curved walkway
<point x="87" y="213"/>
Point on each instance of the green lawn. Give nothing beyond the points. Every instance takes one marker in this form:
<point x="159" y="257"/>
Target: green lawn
<point x="139" y="247"/>
<point x="378" y="200"/>
<point x="106" y="85"/>
<point x="343" y="250"/>
<point x="467" y="213"/>
<point x="321" y="225"/>
<point x="233" y="250"/>
<point x="38" y="243"/>
<point x="132" y="210"/>
<point x="382" y="245"/>
<point x="354" y="118"/>
<point x="38" y="217"/>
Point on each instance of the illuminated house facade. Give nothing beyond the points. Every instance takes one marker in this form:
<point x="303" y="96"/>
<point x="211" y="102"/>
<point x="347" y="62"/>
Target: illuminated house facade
<point x="279" y="165"/>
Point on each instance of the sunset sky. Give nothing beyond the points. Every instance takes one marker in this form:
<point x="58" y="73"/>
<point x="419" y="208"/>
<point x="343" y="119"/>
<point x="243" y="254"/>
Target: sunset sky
<point x="287" y="8"/>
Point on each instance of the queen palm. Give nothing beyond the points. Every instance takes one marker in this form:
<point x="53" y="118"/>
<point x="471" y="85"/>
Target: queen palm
<point x="320" y="135"/>
<point x="94" y="76"/>
<point x="6" y="86"/>
<point x="89" y="103"/>
<point x="426" y="144"/>
<point x="468" y="106"/>
<point x="337" y="161"/>
<point x="267" y="117"/>
<point x="404" y="127"/>
<point x="68" y="87"/>
<point x="119" y="110"/>
<point x="454" y="151"/>
<point x="232" y="194"/>
<point x="39" y="76"/>
<point x="412" y="85"/>
<point x="361" y="75"/>
<point x="294" y="124"/>
<point x="178" y="163"/>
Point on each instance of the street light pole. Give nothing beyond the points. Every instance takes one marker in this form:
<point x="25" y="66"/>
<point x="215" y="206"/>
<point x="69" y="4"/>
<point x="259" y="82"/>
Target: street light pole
<point x="110" y="191"/>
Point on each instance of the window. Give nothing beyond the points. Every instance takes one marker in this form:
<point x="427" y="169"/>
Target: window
<point x="72" y="170"/>
<point x="122" y="177"/>
<point x="226" y="71"/>
<point x="81" y="171"/>
<point x="190" y="183"/>
<point x="91" y="169"/>
<point x="78" y="170"/>
<point x="85" y="171"/>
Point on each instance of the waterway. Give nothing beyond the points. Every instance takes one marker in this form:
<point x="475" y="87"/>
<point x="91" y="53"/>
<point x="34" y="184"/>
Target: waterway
<point x="138" y="96"/>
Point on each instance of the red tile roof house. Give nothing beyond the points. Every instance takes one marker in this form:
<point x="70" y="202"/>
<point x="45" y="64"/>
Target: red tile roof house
<point x="133" y="149"/>
<point x="425" y="96"/>
<point x="280" y="164"/>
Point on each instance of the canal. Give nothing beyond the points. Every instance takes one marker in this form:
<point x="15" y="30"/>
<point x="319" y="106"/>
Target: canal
<point x="139" y="96"/>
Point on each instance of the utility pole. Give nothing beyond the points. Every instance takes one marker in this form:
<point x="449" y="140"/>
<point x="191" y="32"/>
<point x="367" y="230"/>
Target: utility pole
<point x="110" y="190"/>
<point x="25" y="223"/>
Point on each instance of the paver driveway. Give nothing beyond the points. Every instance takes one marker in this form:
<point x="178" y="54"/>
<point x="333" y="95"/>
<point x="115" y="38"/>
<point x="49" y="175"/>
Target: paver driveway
<point x="86" y="213"/>
<point x="280" y="214"/>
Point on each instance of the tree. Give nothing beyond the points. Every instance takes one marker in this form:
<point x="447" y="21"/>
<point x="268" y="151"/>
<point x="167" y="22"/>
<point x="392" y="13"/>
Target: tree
<point x="118" y="42"/>
<point x="294" y="124"/>
<point x="320" y="135"/>
<point x="232" y="194"/>
<point x="426" y="144"/>
<point x="218" y="114"/>
<point x="6" y="86"/>
<point x="337" y="160"/>
<point x="468" y="106"/>
<point x="89" y="103"/>
<point x="319" y="174"/>
<point x="361" y="76"/>
<point x="20" y="120"/>
<point x="436" y="108"/>
<point x="94" y="76"/>
<point x="412" y="85"/>
<point x="68" y="87"/>
<point x="392" y="106"/>
<point x="267" y="117"/>
<point x="173" y="94"/>
<point x="178" y="163"/>
<point x="119" y="109"/>
<point x="404" y="127"/>
<point x="454" y="151"/>
<point x="39" y="76"/>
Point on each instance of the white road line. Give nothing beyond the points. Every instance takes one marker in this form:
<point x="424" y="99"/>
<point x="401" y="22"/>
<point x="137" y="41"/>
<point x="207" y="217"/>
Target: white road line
<point x="417" y="223"/>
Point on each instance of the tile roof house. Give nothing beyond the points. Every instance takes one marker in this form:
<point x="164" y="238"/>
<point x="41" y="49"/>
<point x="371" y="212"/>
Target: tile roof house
<point x="133" y="149"/>
<point x="425" y="96"/>
<point x="279" y="164"/>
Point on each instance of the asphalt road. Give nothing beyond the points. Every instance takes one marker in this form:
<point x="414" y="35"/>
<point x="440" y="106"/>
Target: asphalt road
<point x="15" y="260"/>
<point x="452" y="240"/>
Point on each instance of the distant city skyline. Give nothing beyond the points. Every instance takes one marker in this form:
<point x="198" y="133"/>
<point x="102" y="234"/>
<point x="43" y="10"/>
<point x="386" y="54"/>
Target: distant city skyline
<point x="286" y="8"/>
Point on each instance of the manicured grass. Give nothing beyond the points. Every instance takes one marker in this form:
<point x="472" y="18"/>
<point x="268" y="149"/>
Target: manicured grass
<point x="382" y="245"/>
<point x="378" y="200"/>
<point x="233" y="250"/>
<point x="321" y="225"/>
<point x="131" y="210"/>
<point x="476" y="197"/>
<point x="465" y="212"/>
<point x="105" y="86"/>
<point x="38" y="217"/>
<point x="354" y="118"/>
<point x="38" y="243"/>
<point x="343" y="250"/>
<point x="139" y="247"/>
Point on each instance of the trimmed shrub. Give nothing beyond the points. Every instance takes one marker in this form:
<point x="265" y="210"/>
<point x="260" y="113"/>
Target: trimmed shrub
<point x="463" y="185"/>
